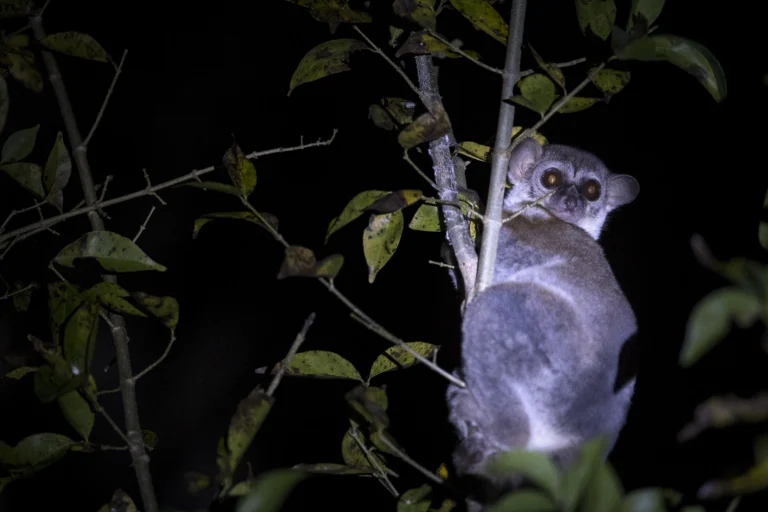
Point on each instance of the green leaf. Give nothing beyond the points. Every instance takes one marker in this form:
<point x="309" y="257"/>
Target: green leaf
<point x="688" y="55"/>
<point x="380" y="240"/>
<point x="240" y="169"/>
<point x="419" y="11"/>
<point x="28" y="175"/>
<point x="523" y="501"/>
<point x="112" y="251"/>
<point x="22" y="68"/>
<point x="120" y="501"/>
<point x="396" y="357"/>
<point x="354" y="208"/>
<point x="19" y="145"/>
<point x="76" y="44"/>
<point x="483" y="16"/>
<point x="320" y="364"/>
<point x="77" y="412"/>
<point x="427" y="127"/>
<point x="63" y="301"/>
<point x="165" y="309"/>
<point x="581" y="471"/>
<point x="415" y="500"/>
<point x="270" y="490"/>
<point x="325" y="59"/>
<point x="58" y="169"/>
<point x="245" y="424"/>
<point x="711" y="320"/>
<point x="577" y="104"/>
<point x="647" y="10"/>
<point x="354" y="456"/>
<point x="55" y="379"/>
<point x="643" y="500"/>
<point x="604" y="492"/>
<point x="112" y="295"/>
<point x="400" y="109"/>
<point x="216" y="186"/>
<point x="381" y="117"/>
<point x="18" y="373"/>
<point x="41" y="450"/>
<point x="329" y="468"/>
<point x="554" y="72"/>
<point x="246" y="216"/>
<point x="598" y="15"/>
<point x="610" y="81"/>
<point x="371" y="403"/>
<point x="762" y="234"/>
<point x="426" y="218"/>
<point x="80" y="337"/>
<point x="536" y="467"/>
<point x="301" y="262"/>
<point x="538" y="92"/>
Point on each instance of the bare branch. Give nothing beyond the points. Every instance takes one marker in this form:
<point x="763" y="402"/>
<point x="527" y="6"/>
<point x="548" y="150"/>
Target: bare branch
<point x="143" y="227"/>
<point x="118" y="70"/>
<point x="291" y="352"/>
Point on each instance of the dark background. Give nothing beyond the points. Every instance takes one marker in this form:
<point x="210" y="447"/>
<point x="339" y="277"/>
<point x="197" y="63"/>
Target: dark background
<point x="196" y="74"/>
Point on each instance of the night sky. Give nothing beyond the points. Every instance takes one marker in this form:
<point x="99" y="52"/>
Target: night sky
<point x="198" y="74"/>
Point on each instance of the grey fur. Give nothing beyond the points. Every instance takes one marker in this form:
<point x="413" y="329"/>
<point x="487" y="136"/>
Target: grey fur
<point x="541" y="345"/>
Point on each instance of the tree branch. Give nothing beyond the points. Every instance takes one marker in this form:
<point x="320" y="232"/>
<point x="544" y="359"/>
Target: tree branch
<point x="500" y="156"/>
<point x="119" y="333"/>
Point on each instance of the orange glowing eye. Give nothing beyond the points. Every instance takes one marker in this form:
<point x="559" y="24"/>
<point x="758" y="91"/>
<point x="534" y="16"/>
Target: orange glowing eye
<point x="591" y="190"/>
<point x="550" y="178"/>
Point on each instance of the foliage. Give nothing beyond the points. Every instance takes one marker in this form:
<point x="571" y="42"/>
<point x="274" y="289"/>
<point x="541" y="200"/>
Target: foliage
<point x="367" y="447"/>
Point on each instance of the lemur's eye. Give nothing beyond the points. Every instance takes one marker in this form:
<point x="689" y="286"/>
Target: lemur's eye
<point x="591" y="190"/>
<point x="551" y="178"/>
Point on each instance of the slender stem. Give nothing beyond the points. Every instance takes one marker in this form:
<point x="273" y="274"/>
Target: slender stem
<point x="390" y="61"/>
<point x="400" y="453"/>
<point x="103" y="108"/>
<point x="463" y="53"/>
<point x="366" y="320"/>
<point x="500" y="156"/>
<point x="291" y="352"/>
<point x="119" y="334"/>
<point x="380" y="473"/>
<point x="194" y="175"/>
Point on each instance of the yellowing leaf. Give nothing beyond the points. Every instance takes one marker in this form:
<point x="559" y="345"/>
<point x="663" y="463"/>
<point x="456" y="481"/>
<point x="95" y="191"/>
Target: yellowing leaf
<point x="240" y="169"/>
<point x="400" y="109"/>
<point x="426" y="218"/>
<point x="76" y="44"/>
<point x="112" y="295"/>
<point x="395" y="201"/>
<point x="421" y="43"/>
<point x="597" y="15"/>
<point x="380" y="240"/>
<point x="484" y="17"/>
<point x="245" y="424"/>
<point x="610" y="81"/>
<point x="325" y="59"/>
<point x="320" y="364"/>
<point x="396" y="357"/>
<point x="354" y="209"/>
<point x="112" y="251"/>
<point x="577" y="104"/>
<point x="165" y="309"/>
<point x="300" y="262"/>
<point x="425" y="128"/>
<point x="535" y="135"/>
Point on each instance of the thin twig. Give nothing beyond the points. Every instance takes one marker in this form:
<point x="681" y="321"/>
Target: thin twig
<point x="390" y="61"/>
<point x="148" y="369"/>
<point x="380" y="473"/>
<point x="529" y="205"/>
<point x="400" y="453"/>
<point x="463" y="53"/>
<point x="365" y="319"/>
<point x="110" y="90"/>
<point x="98" y="408"/>
<point x="194" y="175"/>
<point x="143" y="226"/>
<point x="291" y="352"/>
<point x="21" y="290"/>
<point x="421" y="173"/>
<point x="560" y="65"/>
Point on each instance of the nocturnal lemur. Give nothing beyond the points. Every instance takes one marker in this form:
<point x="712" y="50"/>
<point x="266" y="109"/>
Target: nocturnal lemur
<point x="541" y="345"/>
